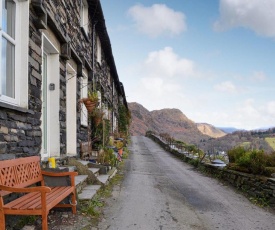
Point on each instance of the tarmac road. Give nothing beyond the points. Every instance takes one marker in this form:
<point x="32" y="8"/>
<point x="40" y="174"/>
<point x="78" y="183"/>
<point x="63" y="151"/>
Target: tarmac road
<point x="160" y="192"/>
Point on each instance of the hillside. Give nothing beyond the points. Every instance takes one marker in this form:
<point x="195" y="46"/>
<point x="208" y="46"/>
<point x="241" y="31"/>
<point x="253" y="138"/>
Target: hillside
<point x="205" y="136"/>
<point x="171" y="121"/>
<point x="210" y="130"/>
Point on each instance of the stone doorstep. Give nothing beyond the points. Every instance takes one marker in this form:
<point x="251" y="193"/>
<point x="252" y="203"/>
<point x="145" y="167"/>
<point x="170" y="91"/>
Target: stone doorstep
<point x="103" y="179"/>
<point x="88" y="192"/>
<point x="84" y="162"/>
<point x="80" y="182"/>
<point x="95" y="171"/>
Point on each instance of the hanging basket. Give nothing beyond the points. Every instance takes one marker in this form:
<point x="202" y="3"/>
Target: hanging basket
<point x="90" y="105"/>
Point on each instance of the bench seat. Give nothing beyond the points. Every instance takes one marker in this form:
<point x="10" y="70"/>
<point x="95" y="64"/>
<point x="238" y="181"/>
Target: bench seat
<point x="32" y="201"/>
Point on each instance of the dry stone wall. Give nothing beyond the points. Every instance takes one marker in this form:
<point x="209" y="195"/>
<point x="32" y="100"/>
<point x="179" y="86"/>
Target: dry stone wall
<point x="258" y="187"/>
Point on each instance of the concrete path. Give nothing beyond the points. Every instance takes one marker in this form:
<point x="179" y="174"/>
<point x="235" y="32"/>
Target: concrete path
<point x="161" y="192"/>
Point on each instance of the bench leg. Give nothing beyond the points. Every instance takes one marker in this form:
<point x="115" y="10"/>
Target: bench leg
<point x="2" y="215"/>
<point x="44" y="222"/>
<point x="74" y="202"/>
<point x="2" y="220"/>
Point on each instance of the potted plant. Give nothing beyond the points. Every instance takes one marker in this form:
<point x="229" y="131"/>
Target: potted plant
<point x="91" y="101"/>
<point x="119" y="146"/>
<point x="97" y="115"/>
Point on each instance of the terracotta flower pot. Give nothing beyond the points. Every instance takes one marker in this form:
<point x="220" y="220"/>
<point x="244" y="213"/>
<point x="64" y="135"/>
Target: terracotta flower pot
<point x="120" y="151"/>
<point x="90" y="105"/>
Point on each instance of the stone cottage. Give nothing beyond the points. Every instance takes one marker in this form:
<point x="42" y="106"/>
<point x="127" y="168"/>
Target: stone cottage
<point x="53" y="51"/>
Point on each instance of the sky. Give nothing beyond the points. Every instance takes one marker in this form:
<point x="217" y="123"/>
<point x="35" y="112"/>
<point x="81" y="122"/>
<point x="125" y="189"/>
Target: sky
<point x="212" y="59"/>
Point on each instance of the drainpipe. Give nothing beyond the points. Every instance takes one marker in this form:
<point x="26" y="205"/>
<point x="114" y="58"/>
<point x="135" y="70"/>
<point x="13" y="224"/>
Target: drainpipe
<point x="93" y="51"/>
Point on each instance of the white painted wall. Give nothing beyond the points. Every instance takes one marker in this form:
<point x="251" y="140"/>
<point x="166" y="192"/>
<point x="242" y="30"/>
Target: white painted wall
<point x="71" y="108"/>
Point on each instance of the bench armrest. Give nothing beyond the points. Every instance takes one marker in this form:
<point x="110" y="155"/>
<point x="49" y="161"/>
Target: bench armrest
<point x="58" y="174"/>
<point x="25" y="190"/>
<point x="46" y="173"/>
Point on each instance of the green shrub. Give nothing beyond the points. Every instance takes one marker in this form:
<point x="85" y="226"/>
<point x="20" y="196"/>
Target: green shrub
<point x="268" y="171"/>
<point x="257" y="161"/>
<point x="243" y="160"/>
<point x="270" y="161"/>
<point x="194" y="162"/>
<point x="236" y="153"/>
<point x="253" y="161"/>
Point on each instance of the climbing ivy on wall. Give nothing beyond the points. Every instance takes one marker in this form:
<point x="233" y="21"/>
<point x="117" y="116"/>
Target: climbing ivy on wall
<point x="123" y="120"/>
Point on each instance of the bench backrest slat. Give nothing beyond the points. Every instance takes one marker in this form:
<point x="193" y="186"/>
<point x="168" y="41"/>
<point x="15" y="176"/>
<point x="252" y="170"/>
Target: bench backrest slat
<point x="20" y="172"/>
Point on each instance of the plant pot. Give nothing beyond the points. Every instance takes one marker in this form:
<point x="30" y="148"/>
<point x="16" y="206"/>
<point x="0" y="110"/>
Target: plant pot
<point x="120" y="152"/>
<point x="90" y="105"/>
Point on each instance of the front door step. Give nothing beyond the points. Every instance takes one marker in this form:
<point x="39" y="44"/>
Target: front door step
<point x="80" y="182"/>
<point x="95" y="171"/>
<point x="88" y="192"/>
<point x="103" y="179"/>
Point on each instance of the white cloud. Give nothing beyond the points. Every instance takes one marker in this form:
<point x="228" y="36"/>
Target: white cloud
<point x="226" y="86"/>
<point x="166" y="63"/>
<point x="270" y="109"/>
<point x="250" y="112"/>
<point x="258" y="76"/>
<point x="157" y="20"/>
<point x="161" y="84"/>
<point x="257" y="15"/>
<point x="249" y="109"/>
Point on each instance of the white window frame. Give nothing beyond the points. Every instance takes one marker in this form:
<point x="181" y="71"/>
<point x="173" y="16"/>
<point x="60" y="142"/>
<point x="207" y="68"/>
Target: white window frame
<point x="98" y="50"/>
<point x="84" y="16"/>
<point x="21" y="43"/>
<point x="84" y="94"/>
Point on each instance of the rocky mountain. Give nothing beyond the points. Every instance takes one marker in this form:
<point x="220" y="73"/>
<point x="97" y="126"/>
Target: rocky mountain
<point x="171" y="121"/>
<point x="205" y="136"/>
<point x="210" y="130"/>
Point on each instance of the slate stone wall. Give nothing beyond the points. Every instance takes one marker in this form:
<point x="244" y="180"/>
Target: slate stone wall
<point x="20" y="131"/>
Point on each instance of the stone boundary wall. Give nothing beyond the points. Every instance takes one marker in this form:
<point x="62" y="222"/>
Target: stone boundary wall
<point x="259" y="187"/>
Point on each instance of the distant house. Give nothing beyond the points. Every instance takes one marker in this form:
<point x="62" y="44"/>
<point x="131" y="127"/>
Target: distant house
<point x="52" y="53"/>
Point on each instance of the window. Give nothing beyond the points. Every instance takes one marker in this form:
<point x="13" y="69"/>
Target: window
<point x="14" y="52"/>
<point x="84" y="16"/>
<point x="98" y="50"/>
<point x="84" y="94"/>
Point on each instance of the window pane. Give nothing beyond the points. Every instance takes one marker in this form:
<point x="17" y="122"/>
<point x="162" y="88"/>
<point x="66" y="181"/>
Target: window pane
<point x="8" y="17"/>
<point x="7" y="73"/>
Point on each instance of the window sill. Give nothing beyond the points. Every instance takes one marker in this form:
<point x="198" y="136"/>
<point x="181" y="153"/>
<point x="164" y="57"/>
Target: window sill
<point x="16" y="108"/>
<point x="84" y="125"/>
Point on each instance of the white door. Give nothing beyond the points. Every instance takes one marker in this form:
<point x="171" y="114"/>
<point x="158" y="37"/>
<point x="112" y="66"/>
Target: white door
<point x="44" y="152"/>
<point x="50" y="124"/>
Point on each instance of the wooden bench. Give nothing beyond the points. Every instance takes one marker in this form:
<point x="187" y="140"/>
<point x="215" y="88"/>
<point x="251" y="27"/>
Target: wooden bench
<point x="22" y="176"/>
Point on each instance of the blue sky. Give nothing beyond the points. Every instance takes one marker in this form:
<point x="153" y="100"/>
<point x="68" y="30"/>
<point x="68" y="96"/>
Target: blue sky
<point x="214" y="60"/>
